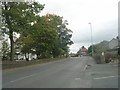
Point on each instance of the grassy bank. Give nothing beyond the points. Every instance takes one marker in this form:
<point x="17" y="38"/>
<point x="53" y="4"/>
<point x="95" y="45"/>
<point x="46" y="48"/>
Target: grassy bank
<point x="16" y="64"/>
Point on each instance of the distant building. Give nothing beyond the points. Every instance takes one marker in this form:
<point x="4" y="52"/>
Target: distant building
<point x="113" y="43"/>
<point x="113" y="46"/>
<point x="83" y="51"/>
<point x="20" y="56"/>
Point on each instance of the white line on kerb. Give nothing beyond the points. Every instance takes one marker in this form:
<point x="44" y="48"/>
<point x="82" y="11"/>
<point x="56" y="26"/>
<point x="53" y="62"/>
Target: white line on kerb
<point x="22" y="78"/>
<point x="105" y="77"/>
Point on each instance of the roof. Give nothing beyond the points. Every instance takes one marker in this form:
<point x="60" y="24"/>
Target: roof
<point x="114" y="39"/>
<point x="83" y="49"/>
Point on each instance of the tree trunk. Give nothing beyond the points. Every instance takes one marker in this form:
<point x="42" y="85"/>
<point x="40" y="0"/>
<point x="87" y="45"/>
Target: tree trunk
<point x="26" y="57"/>
<point x="10" y="33"/>
<point x="12" y="46"/>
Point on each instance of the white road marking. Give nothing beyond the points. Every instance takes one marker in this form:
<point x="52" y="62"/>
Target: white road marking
<point x="85" y="68"/>
<point x="77" y="78"/>
<point x="22" y="78"/>
<point x="115" y="65"/>
<point x="105" y="77"/>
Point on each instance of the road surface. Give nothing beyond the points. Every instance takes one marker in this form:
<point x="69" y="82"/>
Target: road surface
<point x="73" y="72"/>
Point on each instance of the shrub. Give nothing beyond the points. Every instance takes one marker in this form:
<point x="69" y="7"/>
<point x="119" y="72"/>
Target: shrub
<point x="108" y="57"/>
<point x="97" y="58"/>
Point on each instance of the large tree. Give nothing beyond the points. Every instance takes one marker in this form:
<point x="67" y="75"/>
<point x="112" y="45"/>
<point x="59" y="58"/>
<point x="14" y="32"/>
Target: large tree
<point x="17" y="17"/>
<point x="51" y="36"/>
<point x="45" y="35"/>
<point x="63" y="39"/>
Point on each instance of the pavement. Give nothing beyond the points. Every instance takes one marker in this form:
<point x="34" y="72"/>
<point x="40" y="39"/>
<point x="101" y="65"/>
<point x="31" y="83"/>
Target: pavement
<point x="73" y="72"/>
<point x="103" y="75"/>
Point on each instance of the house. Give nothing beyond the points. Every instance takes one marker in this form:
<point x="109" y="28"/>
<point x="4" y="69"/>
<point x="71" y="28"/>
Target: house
<point x="82" y="51"/>
<point x="112" y="51"/>
<point x="113" y="46"/>
<point x="20" y="56"/>
<point x="113" y="43"/>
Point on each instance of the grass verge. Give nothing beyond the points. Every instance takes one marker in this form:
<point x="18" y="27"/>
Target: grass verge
<point x="16" y="64"/>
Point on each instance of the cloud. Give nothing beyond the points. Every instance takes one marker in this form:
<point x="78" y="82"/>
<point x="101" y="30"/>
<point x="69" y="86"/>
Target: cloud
<point x="101" y="13"/>
<point x="105" y="31"/>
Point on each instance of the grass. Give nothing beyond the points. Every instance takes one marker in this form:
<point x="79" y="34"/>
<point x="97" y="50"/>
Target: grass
<point x="15" y="64"/>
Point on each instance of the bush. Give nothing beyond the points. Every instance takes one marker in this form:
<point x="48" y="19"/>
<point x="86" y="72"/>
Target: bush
<point x="108" y="57"/>
<point x="97" y="58"/>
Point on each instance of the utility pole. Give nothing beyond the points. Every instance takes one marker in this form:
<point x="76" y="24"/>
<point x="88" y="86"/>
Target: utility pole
<point x="91" y="36"/>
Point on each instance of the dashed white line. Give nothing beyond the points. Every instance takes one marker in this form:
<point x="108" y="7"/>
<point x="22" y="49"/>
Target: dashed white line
<point x="105" y="77"/>
<point x="22" y="78"/>
<point x="77" y="78"/>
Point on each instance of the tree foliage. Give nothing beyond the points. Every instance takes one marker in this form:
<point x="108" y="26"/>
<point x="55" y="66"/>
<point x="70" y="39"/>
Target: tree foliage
<point x="17" y="17"/>
<point x="5" y="50"/>
<point x="46" y="36"/>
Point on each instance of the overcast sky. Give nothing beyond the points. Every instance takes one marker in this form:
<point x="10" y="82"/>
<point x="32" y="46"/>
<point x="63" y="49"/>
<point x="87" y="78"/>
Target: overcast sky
<point x="103" y="14"/>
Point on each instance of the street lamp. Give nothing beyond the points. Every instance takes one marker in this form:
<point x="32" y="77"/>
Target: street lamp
<point x="91" y="36"/>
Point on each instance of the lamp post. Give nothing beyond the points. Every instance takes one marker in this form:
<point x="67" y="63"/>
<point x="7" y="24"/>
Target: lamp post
<point x="91" y="36"/>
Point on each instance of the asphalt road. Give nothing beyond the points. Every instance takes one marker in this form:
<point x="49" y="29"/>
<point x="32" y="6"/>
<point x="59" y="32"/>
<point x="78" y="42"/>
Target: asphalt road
<point x="77" y="72"/>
